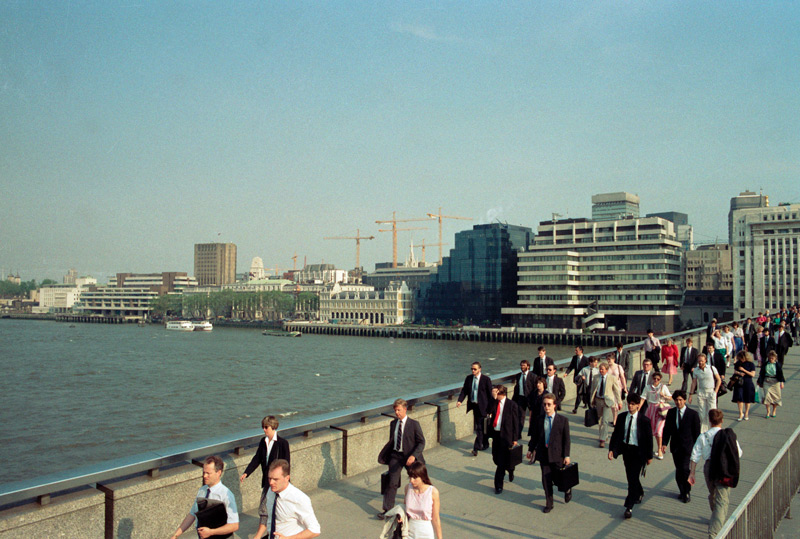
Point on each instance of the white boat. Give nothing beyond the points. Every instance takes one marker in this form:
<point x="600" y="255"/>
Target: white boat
<point x="180" y="325"/>
<point x="203" y="326"/>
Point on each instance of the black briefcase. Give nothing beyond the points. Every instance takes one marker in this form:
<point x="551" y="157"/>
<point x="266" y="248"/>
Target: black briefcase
<point x="384" y="481"/>
<point x="211" y="514"/>
<point x="565" y="478"/>
<point x="590" y="417"/>
<point x="515" y="456"/>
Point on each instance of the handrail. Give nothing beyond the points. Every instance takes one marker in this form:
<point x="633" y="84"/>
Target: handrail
<point x="43" y="486"/>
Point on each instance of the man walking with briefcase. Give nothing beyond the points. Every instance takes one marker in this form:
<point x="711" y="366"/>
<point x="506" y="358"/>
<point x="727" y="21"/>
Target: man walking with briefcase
<point x="550" y="445"/>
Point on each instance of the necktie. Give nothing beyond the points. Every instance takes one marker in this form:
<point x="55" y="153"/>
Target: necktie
<point x="549" y="429"/>
<point x="208" y="492"/>
<point x="272" y="519"/>
<point x="628" y="433"/>
<point x="497" y="415"/>
<point x="679" y="418"/>
<point x="399" y="439"/>
<point x="522" y="384"/>
<point x="474" y="389"/>
<point x="602" y="392"/>
<point x="590" y="378"/>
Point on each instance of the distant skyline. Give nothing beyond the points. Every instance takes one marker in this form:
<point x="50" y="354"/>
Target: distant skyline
<point x="131" y="131"/>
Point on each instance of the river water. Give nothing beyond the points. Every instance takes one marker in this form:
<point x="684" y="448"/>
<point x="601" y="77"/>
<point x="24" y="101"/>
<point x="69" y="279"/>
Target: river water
<point x="80" y="395"/>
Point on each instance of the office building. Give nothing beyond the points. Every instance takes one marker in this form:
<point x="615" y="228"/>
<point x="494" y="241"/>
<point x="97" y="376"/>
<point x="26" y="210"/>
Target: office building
<point x="746" y="199"/>
<point x="709" y="267"/>
<point x="627" y="270"/>
<point x="478" y="279"/>
<point x="684" y="232"/>
<point x="320" y="274"/>
<point x="214" y="263"/>
<point x="60" y="298"/>
<point x="766" y="257"/>
<point x="163" y="283"/>
<point x="611" y="206"/>
<point x="359" y="304"/>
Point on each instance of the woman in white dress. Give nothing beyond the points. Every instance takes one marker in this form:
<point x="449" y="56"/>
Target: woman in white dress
<point x="422" y="504"/>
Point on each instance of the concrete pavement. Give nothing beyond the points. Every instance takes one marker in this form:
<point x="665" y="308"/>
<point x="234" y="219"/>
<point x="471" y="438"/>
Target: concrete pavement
<point x="471" y="509"/>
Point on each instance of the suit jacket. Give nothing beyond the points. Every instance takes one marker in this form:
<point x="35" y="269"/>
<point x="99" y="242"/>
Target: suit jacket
<point x="576" y="365"/>
<point x="748" y="330"/>
<point x="509" y="423"/>
<point x="709" y="331"/>
<point x="613" y="395"/>
<point x="783" y="343"/>
<point x="413" y="441"/>
<point x="682" y="439"/>
<point x="687" y="364"/>
<point x="765" y="344"/>
<point x="280" y="450"/>
<point x="529" y="388"/>
<point x="558" y="448"/>
<point x="763" y="374"/>
<point x="540" y="367"/>
<point x="718" y="361"/>
<point x="639" y="384"/>
<point x="623" y="360"/>
<point x="559" y="390"/>
<point x="485" y="400"/>
<point x="644" y="436"/>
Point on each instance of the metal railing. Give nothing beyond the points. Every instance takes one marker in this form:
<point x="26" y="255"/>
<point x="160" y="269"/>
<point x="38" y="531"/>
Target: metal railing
<point x="762" y="509"/>
<point x="41" y="488"/>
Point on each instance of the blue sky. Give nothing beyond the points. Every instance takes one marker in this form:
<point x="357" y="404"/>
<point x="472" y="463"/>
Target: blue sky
<point x="131" y="130"/>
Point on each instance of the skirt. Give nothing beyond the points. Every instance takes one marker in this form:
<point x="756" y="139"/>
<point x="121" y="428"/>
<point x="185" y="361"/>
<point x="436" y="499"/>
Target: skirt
<point x="669" y="366"/>
<point x="746" y="392"/>
<point x="772" y="391"/>
<point x="420" y="529"/>
<point x="656" y="421"/>
<point x="738" y="344"/>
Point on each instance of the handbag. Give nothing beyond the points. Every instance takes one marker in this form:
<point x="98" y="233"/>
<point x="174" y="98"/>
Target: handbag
<point x="566" y="477"/>
<point x="722" y="390"/>
<point x="663" y="408"/>
<point x="515" y="456"/>
<point x="735" y="381"/>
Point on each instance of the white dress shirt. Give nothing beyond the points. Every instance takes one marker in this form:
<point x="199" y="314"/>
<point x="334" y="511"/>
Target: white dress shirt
<point x="294" y="512"/>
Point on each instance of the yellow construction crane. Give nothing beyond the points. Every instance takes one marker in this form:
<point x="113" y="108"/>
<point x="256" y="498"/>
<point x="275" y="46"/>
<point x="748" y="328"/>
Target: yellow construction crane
<point x="394" y="230"/>
<point x="426" y="245"/>
<point x="358" y="237"/>
<point x="440" y="217"/>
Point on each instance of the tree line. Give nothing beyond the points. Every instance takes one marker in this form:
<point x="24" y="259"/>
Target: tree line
<point x="9" y="289"/>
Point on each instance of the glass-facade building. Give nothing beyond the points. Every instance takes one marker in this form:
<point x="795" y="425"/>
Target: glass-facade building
<point x="477" y="280"/>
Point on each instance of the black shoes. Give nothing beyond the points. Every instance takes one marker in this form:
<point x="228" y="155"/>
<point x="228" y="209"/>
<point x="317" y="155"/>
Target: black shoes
<point x="547" y="508"/>
<point x="474" y="453"/>
<point x="568" y="496"/>
<point x="498" y="490"/>
<point x="639" y="499"/>
<point x="511" y="476"/>
<point x="381" y="515"/>
<point x="628" y="513"/>
<point x="687" y="498"/>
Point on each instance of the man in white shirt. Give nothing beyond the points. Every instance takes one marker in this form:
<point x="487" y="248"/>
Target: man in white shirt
<point x="289" y="511"/>
<point x="705" y="382"/>
<point x="212" y="489"/>
<point x="718" y="494"/>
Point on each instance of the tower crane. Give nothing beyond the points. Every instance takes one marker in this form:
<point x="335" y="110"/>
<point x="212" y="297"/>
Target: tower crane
<point x="439" y="216"/>
<point x="394" y="230"/>
<point x="426" y="245"/>
<point x="358" y="237"/>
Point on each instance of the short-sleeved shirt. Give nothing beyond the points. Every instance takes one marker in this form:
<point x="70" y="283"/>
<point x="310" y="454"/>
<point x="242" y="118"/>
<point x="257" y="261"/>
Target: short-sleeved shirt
<point x="294" y="512"/>
<point x="221" y="493"/>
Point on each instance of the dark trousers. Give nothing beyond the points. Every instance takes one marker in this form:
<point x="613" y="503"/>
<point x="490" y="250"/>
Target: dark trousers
<point x="481" y="438"/>
<point x="396" y="464"/>
<point x="687" y="376"/>
<point x="682" y="460"/>
<point x="501" y="457"/>
<point x="581" y="394"/>
<point x="633" y="469"/>
<point x="522" y="402"/>
<point x="547" y="481"/>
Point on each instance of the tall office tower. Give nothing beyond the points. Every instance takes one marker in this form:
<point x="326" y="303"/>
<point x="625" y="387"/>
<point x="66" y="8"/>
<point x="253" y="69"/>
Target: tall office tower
<point x="746" y="199"/>
<point x="709" y="268"/>
<point x="479" y="277"/>
<point x="766" y="258"/>
<point x="70" y="277"/>
<point x="214" y="263"/>
<point x="610" y="206"/>
<point x="684" y="232"/>
<point x="629" y="270"/>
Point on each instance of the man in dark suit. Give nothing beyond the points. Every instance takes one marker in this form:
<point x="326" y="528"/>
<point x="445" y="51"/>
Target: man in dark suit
<point x="523" y="387"/>
<point x="641" y="380"/>
<point x="478" y="389"/>
<point x="550" y="445"/>
<point x="271" y="447"/>
<point x="688" y="362"/>
<point x="783" y="341"/>
<point x="555" y="385"/>
<point x="579" y="361"/>
<point x="541" y="362"/>
<point x="404" y="448"/>
<point x="633" y="439"/>
<point x="748" y="330"/>
<point x="681" y="429"/>
<point x="505" y="433"/>
<point x="712" y="327"/>
<point x="715" y="359"/>
<point x="623" y="359"/>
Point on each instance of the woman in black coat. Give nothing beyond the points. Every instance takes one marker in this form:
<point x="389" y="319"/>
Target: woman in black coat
<point x="535" y="402"/>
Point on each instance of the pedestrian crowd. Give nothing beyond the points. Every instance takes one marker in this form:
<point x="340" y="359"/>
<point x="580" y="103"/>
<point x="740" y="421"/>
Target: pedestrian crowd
<point x="640" y="421"/>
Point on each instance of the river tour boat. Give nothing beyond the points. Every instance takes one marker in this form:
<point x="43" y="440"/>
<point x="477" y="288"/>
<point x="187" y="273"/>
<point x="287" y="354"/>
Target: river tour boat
<point x="203" y="326"/>
<point x="180" y="325"/>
